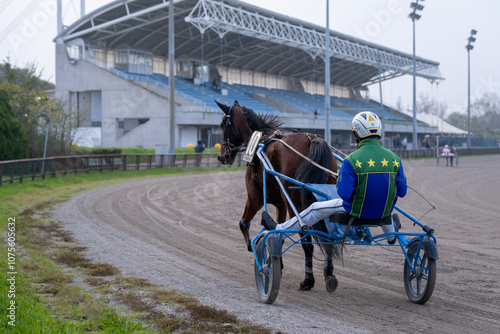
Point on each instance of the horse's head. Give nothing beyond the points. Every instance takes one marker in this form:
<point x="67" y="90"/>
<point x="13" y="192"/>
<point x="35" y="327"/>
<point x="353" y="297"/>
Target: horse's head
<point x="231" y="139"/>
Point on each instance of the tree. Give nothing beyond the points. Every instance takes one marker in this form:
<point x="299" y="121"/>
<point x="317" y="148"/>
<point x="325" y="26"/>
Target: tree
<point x="485" y="117"/>
<point x="31" y="104"/>
<point x="428" y="105"/>
<point x="13" y="140"/>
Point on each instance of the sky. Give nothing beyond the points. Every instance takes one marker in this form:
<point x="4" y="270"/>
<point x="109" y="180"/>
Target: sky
<point x="28" y="27"/>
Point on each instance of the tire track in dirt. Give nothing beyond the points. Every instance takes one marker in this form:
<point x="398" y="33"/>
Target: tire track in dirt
<point x="182" y="232"/>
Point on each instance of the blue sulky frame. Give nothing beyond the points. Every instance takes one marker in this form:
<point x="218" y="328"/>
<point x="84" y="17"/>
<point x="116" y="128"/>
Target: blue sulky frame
<point x="419" y="248"/>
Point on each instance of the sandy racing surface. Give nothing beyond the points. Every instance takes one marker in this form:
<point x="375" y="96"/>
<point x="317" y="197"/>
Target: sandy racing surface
<point x="182" y="232"/>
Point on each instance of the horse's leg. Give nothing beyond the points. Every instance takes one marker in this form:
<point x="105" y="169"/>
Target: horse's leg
<point x="251" y="209"/>
<point x="308" y="282"/>
<point x="330" y="279"/>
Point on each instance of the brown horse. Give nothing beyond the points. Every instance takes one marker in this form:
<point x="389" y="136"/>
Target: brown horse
<point x="237" y="125"/>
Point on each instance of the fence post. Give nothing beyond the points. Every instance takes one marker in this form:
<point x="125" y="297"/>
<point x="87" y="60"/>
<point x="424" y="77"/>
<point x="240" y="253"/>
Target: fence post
<point x="43" y="169"/>
<point x="33" y="172"/>
<point x="53" y="174"/>
<point x="124" y="162"/>
<point x="1" y="174"/>
<point x="137" y="161"/>
<point x="22" y="171"/>
<point x="149" y="161"/>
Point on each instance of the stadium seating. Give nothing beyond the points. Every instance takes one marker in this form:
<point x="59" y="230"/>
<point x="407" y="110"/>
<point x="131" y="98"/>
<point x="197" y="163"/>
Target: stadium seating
<point x="357" y="105"/>
<point x="265" y="100"/>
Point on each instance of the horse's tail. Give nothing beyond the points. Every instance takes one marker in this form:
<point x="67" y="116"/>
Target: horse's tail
<point x="320" y="153"/>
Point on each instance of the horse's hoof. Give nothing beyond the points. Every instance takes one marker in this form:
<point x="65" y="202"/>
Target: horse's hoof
<point x="306" y="285"/>
<point x="331" y="283"/>
<point x="249" y="247"/>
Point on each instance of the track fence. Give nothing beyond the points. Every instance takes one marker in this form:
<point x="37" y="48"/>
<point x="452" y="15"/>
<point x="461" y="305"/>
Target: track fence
<point x="31" y="169"/>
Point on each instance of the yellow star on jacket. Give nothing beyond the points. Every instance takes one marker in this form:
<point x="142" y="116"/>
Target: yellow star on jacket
<point x="384" y="162"/>
<point x="371" y="163"/>
<point x="358" y="164"/>
<point x="395" y="163"/>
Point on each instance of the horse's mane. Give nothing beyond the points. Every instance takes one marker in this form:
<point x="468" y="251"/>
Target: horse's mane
<point x="265" y="123"/>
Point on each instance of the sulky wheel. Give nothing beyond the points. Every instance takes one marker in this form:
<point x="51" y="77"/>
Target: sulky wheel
<point x="419" y="283"/>
<point x="268" y="278"/>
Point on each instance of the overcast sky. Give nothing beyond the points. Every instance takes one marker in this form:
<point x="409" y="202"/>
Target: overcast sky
<point x="27" y="28"/>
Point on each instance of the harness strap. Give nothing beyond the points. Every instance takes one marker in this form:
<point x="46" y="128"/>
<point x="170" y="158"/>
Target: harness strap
<point x="326" y="170"/>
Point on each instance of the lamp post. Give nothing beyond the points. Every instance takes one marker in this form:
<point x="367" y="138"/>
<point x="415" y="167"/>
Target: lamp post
<point x="469" y="47"/>
<point x="414" y="17"/>
<point x="327" y="75"/>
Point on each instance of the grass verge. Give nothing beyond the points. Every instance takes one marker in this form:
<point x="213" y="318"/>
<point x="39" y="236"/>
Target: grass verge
<point x="49" y="286"/>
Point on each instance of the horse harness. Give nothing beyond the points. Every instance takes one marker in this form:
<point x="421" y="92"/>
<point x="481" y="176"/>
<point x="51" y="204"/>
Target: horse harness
<point x="227" y="140"/>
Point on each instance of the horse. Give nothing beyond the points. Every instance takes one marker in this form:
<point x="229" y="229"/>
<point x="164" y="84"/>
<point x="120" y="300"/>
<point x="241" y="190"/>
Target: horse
<point x="238" y="124"/>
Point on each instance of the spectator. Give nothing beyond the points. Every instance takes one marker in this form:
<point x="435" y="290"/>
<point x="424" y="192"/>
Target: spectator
<point x="396" y="142"/>
<point x="452" y="152"/>
<point x="337" y="143"/>
<point x="448" y="154"/>
<point x="198" y="150"/>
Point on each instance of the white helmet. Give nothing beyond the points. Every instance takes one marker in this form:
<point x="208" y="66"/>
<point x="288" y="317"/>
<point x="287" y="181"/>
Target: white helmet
<point x="366" y="124"/>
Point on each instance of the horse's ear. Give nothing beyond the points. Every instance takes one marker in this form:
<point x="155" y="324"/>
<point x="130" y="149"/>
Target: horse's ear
<point x="223" y="107"/>
<point x="236" y="103"/>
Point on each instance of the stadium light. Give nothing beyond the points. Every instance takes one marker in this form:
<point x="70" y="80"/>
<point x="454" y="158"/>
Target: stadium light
<point x="327" y="75"/>
<point x="469" y="47"/>
<point x="414" y="17"/>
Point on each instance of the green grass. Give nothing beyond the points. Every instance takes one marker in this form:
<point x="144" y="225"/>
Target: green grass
<point x="48" y="261"/>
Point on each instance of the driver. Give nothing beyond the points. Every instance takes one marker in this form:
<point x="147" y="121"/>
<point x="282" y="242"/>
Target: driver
<point x="369" y="183"/>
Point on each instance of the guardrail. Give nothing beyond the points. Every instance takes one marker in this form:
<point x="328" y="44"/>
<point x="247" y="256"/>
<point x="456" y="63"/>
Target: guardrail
<point x="20" y="170"/>
<point x="432" y="153"/>
<point x="31" y="169"/>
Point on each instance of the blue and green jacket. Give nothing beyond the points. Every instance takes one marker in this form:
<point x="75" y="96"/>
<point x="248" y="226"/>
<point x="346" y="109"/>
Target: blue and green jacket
<point x="370" y="181"/>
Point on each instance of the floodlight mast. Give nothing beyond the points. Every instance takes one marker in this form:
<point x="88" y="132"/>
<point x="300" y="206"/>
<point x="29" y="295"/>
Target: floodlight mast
<point x="414" y="17"/>
<point x="327" y="76"/>
<point x="171" y="81"/>
<point x="469" y="47"/>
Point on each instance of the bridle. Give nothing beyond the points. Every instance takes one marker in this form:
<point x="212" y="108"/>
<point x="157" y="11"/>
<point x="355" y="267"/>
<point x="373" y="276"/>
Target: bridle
<point x="230" y="137"/>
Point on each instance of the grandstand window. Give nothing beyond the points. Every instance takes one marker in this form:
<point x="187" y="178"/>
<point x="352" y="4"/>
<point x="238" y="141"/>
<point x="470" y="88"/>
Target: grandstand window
<point x="183" y="66"/>
<point x="246" y="78"/>
<point x="281" y="82"/>
<point x="121" y="57"/>
<point x="110" y="59"/>
<point x="233" y="76"/>
<point x="159" y="65"/>
<point x="74" y="52"/>
<point x="259" y="80"/>
<point x="99" y="55"/>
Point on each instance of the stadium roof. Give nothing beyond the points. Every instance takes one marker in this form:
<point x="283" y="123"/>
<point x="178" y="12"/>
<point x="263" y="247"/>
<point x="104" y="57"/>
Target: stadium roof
<point x="239" y="35"/>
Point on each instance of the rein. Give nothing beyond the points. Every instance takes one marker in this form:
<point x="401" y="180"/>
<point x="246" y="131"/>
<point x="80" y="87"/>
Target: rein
<point x="326" y="170"/>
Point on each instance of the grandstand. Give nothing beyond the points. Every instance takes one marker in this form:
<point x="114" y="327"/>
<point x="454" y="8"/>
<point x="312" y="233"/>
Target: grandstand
<point x="112" y="70"/>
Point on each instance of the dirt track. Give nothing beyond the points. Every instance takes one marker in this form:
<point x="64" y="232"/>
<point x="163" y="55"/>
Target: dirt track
<point x="182" y="232"/>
